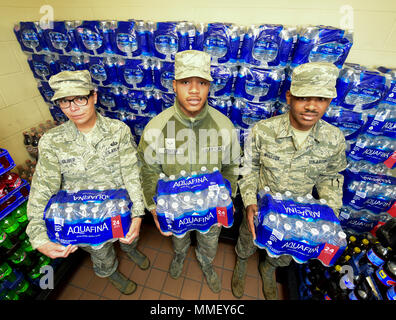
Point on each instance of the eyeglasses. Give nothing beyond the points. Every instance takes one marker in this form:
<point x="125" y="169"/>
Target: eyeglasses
<point x="79" y="101"/>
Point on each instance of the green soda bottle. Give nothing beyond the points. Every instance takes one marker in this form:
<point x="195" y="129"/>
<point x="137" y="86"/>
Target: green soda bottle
<point x="5" y="241"/>
<point x="6" y="273"/>
<point x="20" y="215"/>
<point x="21" y="259"/>
<point x="24" y="289"/>
<point x="11" y="295"/>
<point x="10" y="226"/>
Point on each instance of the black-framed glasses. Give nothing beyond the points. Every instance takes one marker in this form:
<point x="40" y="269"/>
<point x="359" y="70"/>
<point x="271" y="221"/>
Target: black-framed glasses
<point x="80" y="101"/>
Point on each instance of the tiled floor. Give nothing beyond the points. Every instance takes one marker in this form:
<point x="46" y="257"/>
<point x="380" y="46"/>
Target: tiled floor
<point x="155" y="283"/>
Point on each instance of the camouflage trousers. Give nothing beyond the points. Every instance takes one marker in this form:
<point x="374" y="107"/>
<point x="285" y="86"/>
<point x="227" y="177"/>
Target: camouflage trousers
<point x="206" y="245"/>
<point x="245" y="246"/>
<point x="104" y="260"/>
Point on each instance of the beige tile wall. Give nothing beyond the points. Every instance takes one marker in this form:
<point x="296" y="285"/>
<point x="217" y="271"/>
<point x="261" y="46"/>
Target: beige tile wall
<point x="21" y="106"/>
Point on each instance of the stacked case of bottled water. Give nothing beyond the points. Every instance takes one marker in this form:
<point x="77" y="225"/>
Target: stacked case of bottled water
<point x="369" y="187"/>
<point x="302" y="227"/>
<point x="117" y="54"/>
<point x="193" y="201"/>
<point x="88" y="217"/>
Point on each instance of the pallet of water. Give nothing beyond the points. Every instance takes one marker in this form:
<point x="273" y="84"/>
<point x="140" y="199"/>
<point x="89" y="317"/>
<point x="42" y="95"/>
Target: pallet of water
<point x="193" y="201"/>
<point x="302" y="227"/>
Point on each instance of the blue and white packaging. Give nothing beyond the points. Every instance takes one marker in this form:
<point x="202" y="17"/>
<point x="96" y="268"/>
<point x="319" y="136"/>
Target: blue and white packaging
<point x="223" y="80"/>
<point x="300" y="229"/>
<point x="135" y="73"/>
<point x="350" y="122"/>
<point x="195" y="201"/>
<point x="359" y="88"/>
<point x="361" y="221"/>
<point x="167" y="38"/>
<point x="57" y="113"/>
<point x="374" y="149"/>
<point x="220" y="40"/>
<point x="88" y="217"/>
<point x="111" y="99"/>
<point x="383" y="122"/>
<point x="164" y="74"/>
<point x="30" y="37"/>
<point x="43" y="66"/>
<point x="322" y="44"/>
<point x="163" y="100"/>
<point x="368" y="191"/>
<point x="45" y="90"/>
<point x="245" y="113"/>
<point x="93" y="37"/>
<point x="129" y="39"/>
<point x="71" y="63"/>
<point x="136" y="123"/>
<point x="103" y="70"/>
<point x="268" y="45"/>
<point x="258" y="85"/>
<point x="61" y="38"/>
<point x="140" y="102"/>
<point x="222" y="104"/>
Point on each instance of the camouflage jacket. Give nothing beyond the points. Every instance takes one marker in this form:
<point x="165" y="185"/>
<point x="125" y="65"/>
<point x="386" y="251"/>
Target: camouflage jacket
<point x="272" y="159"/>
<point x="172" y="142"/>
<point x="66" y="161"/>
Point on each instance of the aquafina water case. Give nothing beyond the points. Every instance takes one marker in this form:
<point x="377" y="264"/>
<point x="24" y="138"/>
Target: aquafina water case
<point x="368" y="191"/>
<point x="258" y="85"/>
<point x="30" y="37"/>
<point x="103" y="70"/>
<point x="135" y="73"/>
<point x="163" y="100"/>
<point x="245" y="113"/>
<point x="163" y="74"/>
<point x="61" y="38"/>
<point x="302" y="227"/>
<point x="43" y="66"/>
<point x="129" y="39"/>
<point x="140" y="102"/>
<point x="111" y="99"/>
<point x="45" y="90"/>
<point x="374" y="149"/>
<point x="222" y="104"/>
<point x="223" y="80"/>
<point x="93" y="37"/>
<point x="268" y="45"/>
<point x="322" y="44"/>
<point x="220" y="40"/>
<point x="71" y="63"/>
<point x="359" y="88"/>
<point x="165" y="39"/>
<point x="193" y="201"/>
<point x="88" y="217"/>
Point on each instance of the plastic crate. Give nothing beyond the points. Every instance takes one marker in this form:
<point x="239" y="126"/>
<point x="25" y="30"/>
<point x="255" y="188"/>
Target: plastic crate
<point x="6" y="162"/>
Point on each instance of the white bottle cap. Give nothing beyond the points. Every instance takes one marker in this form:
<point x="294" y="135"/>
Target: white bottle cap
<point x="69" y="210"/>
<point x="323" y="201"/>
<point x="183" y="173"/>
<point x="287" y="226"/>
<point x="342" y="235"/>
<point x="211" y="194"/>
<point x="161" y="202"/>
<point x="272" y="217"/>
<point x="314" y="231"/>
<point x="172" y="177"/>
<point x="175" y="205"/>
<point x="325" y="228"/>
<point x="215" y="169"/>
<point x="162" y="175"/>
<point x="204" y="169"/>
<point x="200" y="202"/>
<point x="300" y="199"/>
<point x="299" y="224"/>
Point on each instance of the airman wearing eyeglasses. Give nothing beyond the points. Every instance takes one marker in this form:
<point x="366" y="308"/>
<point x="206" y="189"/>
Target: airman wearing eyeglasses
<point x="88" y="151"/>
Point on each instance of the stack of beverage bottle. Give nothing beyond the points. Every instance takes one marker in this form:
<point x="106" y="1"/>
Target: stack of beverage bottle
<point x="368" y="121"/>
<point x="193" y="201"/>
<point x="302" y="227"/>
<point x="31" y="138"/>
<point x="26" y="170"/>
<point x="366" y="271"/>
<point x="132" y="63"/>
<point x="19" y="263"/>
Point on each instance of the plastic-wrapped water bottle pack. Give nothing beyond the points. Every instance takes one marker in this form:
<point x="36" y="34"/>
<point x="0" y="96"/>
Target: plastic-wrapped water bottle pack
<point x="88" y="217"/>
<point x="193" y="201"/>
<point x="302" y="227"/>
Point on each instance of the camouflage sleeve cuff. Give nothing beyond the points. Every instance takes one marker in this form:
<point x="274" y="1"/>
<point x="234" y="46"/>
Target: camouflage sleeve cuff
<point x="248" y="200"/>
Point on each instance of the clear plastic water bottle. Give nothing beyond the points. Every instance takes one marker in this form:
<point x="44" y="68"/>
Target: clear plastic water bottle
<point x="176" y="210"/>
<point x="224" y="199"/>
<point x="212" y="199"/>
<point x="185" y="201"/>
<point x="161" y="205"/>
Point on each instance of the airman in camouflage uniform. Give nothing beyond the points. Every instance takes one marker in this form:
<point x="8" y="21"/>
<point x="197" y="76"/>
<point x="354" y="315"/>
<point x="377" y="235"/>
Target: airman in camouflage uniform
<point x="291" y="152"/>
<point x="187" y="136"/>
<point x="89" y="151"/>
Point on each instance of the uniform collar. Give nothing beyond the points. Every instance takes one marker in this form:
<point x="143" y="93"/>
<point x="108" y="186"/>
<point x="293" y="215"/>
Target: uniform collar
<point x="285" y="129"/>
<point x="190" y="120"/>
